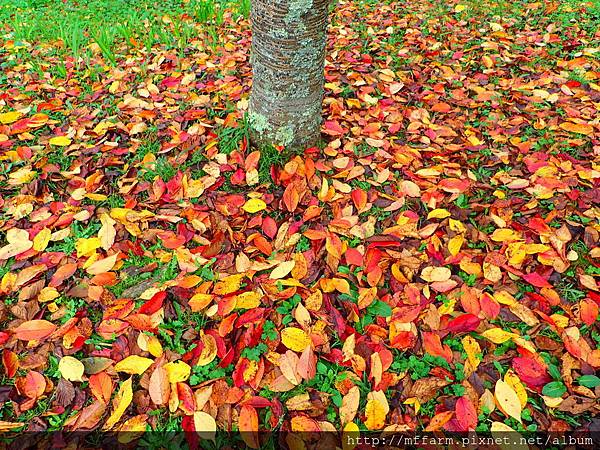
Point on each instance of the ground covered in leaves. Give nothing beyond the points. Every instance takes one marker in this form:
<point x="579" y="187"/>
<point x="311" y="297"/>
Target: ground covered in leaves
<point x="433" y="267"/>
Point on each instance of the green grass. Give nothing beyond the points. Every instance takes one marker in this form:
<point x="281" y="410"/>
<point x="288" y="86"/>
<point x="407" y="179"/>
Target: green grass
<point x="74" y="28"/>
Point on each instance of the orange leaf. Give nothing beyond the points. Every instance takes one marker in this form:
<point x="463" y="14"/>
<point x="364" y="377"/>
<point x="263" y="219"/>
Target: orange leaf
<point x="580" y="128"/>
<point x="34" y="330"/>
<point x="62" y="273"/>
<point x="248" y="426"/>
<point x="588" y="311"/>
<point x="101" y="386"/>
<point x="11" y="363"/>
<point x="31" y="385"/>
<point x="439" y="420"/>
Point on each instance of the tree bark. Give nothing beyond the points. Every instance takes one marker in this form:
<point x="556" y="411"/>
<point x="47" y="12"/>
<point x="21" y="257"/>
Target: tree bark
<point x="288" y="58"/>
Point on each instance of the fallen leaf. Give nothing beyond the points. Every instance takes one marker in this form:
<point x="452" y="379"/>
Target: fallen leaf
<point x="70" y="368"/>
<point x="133" y="365"/>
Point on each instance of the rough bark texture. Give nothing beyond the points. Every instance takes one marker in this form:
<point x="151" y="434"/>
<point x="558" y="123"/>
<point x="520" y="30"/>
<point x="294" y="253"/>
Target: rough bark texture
<point x="288" y="56"/>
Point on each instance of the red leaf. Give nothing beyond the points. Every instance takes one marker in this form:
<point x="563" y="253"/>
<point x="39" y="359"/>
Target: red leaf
<point x="466" y="414"/>
<point x="154" y="304"/>
<point x="464" y="323"/>
<point x="269" y="226"/>
<point x="536" y="280"/>
<point x="531" y="371"/>
<point x="333" y="128"/>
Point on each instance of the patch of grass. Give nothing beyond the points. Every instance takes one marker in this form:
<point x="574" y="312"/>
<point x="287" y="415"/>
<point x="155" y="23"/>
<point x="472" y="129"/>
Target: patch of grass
<point x="161" y="168"/>
<point x="269" y="157"/>
<point x="112" y="25"/>
<point x="231" y="137"/>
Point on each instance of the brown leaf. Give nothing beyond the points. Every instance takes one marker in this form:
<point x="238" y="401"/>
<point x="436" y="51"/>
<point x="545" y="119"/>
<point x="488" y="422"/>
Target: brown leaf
<point x="159" y="387"/>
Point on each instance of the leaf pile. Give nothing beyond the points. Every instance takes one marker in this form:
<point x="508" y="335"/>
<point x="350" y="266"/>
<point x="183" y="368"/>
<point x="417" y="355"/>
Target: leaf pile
<point x="434" y="267"/>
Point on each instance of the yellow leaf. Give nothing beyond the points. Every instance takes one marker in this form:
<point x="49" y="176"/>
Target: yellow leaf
<point x="447" y="307"/>
<point x="504" y="298"/>
<point x="455" y="244"/>
<point x="178" y="371"/>
<point x="228" y="284"/>
<point x="433" y="274"/>
<point x="314" y="301"/>
<point x="552" y="402"/>
<point x="456" y="226"/>
<point x="531" y="249"/>
<point x="154" y="346"/>
<point x="97" y="197"/>
<point x="508" y="400"/>
<point x="497" y="335"/>
<point x="8" y="282"/>
<point x="527" y="345"/>
<point x="375" y="415"/>
<point x="504" y="235"/>
<point x="200" y="301"/>
<point x="21" y="176"/>
<point x="40" y="241"/>
<point x="254" y="205"/>
<point x="349" y="436"/>
<point x="560" y="320"/>
<point x="209" y="350"/>
<point x="133" y="365"/>
<point x="10" y="117"/>
<point x="122" y="401"/>
<point x="487" y="401"/>
<point x="87" y="246"/>
<point x="438" y="214"/>
<point x="107" y="232"/>
<point x="514" y="382"/>
<point x="205" y="425"/>
<point x="248" y="300"/>
<point x="500" y="430"/>
<point x="459" y="8"/>
<point x="414" y="401"/>
<point x="473" y="350"/>
<point x="295" y="339"/>
<point x="7" y="426"/>
<point x="132" y="429"/>
<point x="60" y="141"/>
<point x="150" y="343"/>
<point x="48" y="294"/>
<point x="516" y="253"/>
<point x="491" y="272"/>
<point x="70" y="368"/>
<point x="282" y="270"/>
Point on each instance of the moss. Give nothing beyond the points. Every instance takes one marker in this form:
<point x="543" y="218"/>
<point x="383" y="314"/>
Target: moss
<point x="296" y="10"/>
<point x="307" y="57"/>
<point x="259" y="122"/>
<point x="279" y="33"/>
<point x="285" y="135"/>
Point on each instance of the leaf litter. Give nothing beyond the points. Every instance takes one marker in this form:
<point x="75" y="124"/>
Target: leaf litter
<point x="433" y="267"/>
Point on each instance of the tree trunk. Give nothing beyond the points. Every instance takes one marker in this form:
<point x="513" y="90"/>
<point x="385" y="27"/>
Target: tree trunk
<point x="288" y="58"/>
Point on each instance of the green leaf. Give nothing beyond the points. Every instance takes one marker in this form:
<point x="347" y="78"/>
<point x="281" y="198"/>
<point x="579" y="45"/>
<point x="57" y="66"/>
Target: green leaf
<point x="554" y="389"/>
<point x="554" y="371"/>
<point x="379" y="308"/>
<point x="589" y="381"/>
